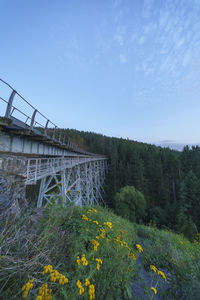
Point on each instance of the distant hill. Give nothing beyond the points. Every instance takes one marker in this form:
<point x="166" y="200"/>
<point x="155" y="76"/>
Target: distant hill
<point x="175" y="146"/>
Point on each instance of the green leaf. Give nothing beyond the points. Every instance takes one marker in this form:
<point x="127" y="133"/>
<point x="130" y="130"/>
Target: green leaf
<point x="128" y="292"/>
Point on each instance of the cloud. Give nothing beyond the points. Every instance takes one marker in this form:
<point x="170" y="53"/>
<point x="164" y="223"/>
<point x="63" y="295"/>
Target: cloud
<point x="147" y="8"/>
<point x="187" y="58"/>
<point x="164" y="18"/>
<point x="122" y="58"/>
<point x="167" y="141"/>
<point x="162" y="40"/>
<point x="180" y="42"/>
<point x="141" y="40"/>
<point x="149" y="28"/>
<point x="117" y="3"/>
<point x="137" y="68"/>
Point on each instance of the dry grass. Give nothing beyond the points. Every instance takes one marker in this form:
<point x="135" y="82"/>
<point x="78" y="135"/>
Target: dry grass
<point x="21" y="253"/>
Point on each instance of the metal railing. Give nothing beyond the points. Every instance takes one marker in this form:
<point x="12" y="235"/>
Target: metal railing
<point x="33" y="118"/>
<point x="38" y="168"/>
<point x="49" y="130"/>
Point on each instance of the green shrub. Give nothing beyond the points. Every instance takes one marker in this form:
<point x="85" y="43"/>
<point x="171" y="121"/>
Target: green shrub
<point x="130" y="204"/>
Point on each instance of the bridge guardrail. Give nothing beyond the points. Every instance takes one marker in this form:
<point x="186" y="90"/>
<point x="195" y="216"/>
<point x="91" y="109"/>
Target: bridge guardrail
<point x="10" y="109"/>
<point x="32" y="123"/>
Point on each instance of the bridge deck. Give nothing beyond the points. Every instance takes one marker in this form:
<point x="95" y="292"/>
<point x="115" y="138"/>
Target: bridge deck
<point x="42" y="152"/>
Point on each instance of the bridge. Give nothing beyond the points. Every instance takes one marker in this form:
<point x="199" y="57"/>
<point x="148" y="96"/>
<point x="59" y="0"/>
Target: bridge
<point x="33" y="149"/>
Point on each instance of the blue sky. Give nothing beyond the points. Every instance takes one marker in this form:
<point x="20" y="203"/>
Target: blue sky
<point x="128" y="68"/>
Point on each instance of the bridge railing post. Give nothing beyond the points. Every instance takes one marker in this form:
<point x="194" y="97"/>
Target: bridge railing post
<point x="46" y="126"/>
<point x="9" y="106"/>
<point x="54" y="133"/>
<point x="60" y="135"/>
<point x="33" y="119"/>
<point x="64" y="140"/>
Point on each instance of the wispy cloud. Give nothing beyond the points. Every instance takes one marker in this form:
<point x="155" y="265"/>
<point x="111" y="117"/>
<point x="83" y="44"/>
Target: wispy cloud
<point x="147" y="8"/>
<point x="187" y="58"/>
<point x="122" y="58"/>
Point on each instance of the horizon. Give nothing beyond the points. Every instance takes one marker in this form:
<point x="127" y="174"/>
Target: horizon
<point x="126" y="69"/>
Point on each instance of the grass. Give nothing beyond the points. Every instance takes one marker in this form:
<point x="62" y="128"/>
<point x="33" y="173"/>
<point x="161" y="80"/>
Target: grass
<point x="64" y="239"/>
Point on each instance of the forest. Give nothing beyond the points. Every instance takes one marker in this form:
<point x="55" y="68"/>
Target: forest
<point x="168" y="180"/>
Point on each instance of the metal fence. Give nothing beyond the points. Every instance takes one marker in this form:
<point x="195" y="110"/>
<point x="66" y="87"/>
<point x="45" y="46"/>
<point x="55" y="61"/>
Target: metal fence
<point x="35" y="121"/>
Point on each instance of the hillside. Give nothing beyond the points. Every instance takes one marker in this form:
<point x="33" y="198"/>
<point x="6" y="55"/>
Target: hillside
<point x="128" y="250"/>
<point x="90" y="253"/>
<point x="168" y="179"/>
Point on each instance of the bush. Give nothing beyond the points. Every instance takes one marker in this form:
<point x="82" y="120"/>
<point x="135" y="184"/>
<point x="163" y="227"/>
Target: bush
<point x="130" y="204"/>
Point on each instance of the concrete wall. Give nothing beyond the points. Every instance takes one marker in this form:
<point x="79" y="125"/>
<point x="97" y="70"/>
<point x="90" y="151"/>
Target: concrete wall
<point x="12" y="186"/>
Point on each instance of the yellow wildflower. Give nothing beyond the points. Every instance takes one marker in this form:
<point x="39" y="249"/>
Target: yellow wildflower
<point x="44" y="293"/>
<point x="79" y="285"/>
<point x="117" y="239"/>
<point x="91" y="210"/>
<point x="102" y="235"/>
<point x="63" y="280"/>
<point x="27" y="287"/>
<point x="55" y="275"/>
<point x="132" y="255"/>
<point x="84" y="217"/>
<point x="84" y="260"/>
<point x="78" y="260"/>
<point x="153" y="268"/>
<point x="125" y="243"/>
<point x="162" y="275"/>
<point x="87" y="282"/>
<point x="81" y="291"/>
<point x="129" y="254"/>
<point x="91" y="291"/>
<point x="47" y="269"/>
<point x="139" y="248"/>
<point x="95" y="244"/>
<point x="154" y="290"/>
<point x="108" y="224"/>
<point x="99" y="261"/>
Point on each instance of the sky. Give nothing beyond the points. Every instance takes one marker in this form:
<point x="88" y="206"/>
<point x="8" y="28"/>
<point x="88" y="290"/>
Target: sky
<point x="123" y="68"/>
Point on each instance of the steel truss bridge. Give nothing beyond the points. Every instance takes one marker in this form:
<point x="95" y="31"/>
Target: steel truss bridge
<point x="34" y="149"/>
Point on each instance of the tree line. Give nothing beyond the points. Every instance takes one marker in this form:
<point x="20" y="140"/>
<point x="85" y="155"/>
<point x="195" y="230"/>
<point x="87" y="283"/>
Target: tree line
<point x="168" y="179"/>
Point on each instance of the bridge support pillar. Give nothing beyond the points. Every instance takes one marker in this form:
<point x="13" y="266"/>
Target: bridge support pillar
<point x="77" y="180"/>
<point x="41" y="192"/>
<point x="63" y="187"/>
<point x="81" y="184"/>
